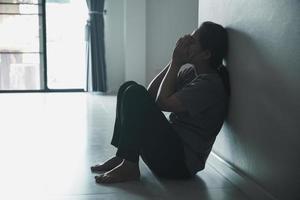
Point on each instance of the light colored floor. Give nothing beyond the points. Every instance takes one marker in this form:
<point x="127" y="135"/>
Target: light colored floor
<point x="48" y="141"/>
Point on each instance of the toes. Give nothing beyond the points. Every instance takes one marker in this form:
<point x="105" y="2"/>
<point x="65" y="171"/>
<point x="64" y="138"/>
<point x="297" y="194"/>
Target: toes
<point x="99" y="179"/>
<point x="110" y="179"/>
<point x="106" y="179"/>
<point x="94" y="167"/>
<point x="103" y="179"/>
<point x="97" y="167"/>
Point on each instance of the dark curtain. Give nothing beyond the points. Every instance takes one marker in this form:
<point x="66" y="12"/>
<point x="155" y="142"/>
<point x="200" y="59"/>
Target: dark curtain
<point x="96" y="66"/>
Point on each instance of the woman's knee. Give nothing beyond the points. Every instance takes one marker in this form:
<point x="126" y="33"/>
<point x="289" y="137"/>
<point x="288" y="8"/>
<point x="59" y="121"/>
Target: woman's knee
<point x="125" y="85"/>
<point x="135" y="91"/>
<point x="137" y="96"/>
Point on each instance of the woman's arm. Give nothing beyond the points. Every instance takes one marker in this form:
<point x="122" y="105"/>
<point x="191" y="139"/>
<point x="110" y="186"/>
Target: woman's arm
<point x="155" y="83"/>
<point x="166" y="99"/>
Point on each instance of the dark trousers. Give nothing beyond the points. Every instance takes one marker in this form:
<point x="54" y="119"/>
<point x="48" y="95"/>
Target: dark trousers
<point x="141" y="129"/>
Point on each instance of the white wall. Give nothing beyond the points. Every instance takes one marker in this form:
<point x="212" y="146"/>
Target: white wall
<point x="261" y="135"/>
<point x="167" y="20"/>
<point x="125" y="42"/>
<point x="135" y="41"/>
<point x="140" y="36"/>
<point x="114" y="44"/>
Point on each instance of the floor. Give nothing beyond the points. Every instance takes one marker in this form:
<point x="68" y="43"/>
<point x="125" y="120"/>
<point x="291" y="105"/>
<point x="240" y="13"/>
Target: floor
<point x="48" y="141"/>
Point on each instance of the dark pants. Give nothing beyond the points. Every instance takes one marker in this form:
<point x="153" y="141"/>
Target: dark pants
<point x="141" y="129"/>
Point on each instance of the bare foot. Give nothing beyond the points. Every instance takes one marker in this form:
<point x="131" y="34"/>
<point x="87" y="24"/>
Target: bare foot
<point x="126" y="171"/>
<point x="108" y="165"/>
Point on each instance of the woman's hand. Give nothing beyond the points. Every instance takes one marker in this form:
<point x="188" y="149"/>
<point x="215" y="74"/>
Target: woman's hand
<point x="181" y="52"/>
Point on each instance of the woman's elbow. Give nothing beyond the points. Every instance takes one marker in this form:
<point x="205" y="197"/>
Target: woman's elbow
<point x="160" y="105"/>
<point x="172" y="104"/>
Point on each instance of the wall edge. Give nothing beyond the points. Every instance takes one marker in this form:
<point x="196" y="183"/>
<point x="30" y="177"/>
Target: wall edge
<point x="238" y="178"/>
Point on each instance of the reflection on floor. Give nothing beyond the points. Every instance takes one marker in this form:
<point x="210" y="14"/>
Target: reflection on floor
<point x="49" y="140"/>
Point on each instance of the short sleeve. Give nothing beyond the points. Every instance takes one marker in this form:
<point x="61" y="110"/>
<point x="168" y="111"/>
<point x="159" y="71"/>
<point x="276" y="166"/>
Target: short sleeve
<point x="185" y="75"/>
<point x="197" y="95"/>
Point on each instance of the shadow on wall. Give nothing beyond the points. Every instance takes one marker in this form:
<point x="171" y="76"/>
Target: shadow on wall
<point x="255" y="84"/>
<point x="260" y="130"/>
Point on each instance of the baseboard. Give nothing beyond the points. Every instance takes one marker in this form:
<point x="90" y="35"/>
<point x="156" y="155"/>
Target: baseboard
<point x="237" y="178"/>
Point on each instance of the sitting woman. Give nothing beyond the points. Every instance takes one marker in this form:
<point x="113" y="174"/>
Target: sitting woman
<point x="197" y="97"/>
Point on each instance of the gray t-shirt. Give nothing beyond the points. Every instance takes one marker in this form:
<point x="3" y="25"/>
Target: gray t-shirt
<point x="206" y="101"/>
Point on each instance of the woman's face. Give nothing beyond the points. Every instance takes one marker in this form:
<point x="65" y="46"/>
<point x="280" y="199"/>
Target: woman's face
<point x="195" y="46"/>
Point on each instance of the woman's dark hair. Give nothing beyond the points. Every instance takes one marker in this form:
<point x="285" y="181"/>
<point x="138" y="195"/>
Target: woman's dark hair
<point x="214" y="37"/>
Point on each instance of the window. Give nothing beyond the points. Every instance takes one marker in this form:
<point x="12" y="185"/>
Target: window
<point x="20" y="45"/>
<point x="29" y="37"/>
<point x="66" y="45"/>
